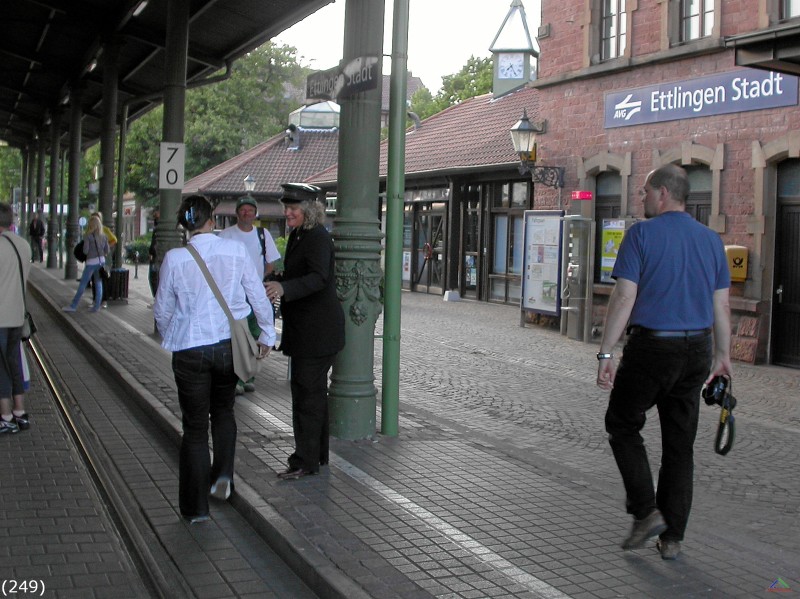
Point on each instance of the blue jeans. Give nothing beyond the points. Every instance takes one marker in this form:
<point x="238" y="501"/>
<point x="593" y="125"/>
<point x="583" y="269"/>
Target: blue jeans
<point x="206" y="386"/>
<point x="90" y="271"/>
<point x="667" y="373"/>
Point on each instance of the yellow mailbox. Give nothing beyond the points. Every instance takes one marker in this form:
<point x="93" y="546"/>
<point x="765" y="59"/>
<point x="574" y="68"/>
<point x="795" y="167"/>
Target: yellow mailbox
<point x="737" y="262"/>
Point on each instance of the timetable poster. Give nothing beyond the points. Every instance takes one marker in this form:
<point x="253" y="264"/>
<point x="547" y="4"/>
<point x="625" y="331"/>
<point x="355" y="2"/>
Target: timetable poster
<point x="613" y="232"/>
<point x="541" y="281"/>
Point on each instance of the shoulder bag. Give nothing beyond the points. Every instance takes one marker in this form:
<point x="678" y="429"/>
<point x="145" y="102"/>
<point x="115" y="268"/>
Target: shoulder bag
<point x="28" y="326"/>
<point x="246" y="363"/>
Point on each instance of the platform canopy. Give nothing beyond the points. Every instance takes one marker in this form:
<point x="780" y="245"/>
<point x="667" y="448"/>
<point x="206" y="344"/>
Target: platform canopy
<point x="48" y="46"/>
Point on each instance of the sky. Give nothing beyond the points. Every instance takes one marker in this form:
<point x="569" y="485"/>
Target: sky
<point x="442" y="35"/>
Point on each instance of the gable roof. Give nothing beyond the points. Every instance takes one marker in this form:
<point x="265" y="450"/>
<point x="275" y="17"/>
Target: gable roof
<point x="471" y="136"/>
<point x="270" y="163"/>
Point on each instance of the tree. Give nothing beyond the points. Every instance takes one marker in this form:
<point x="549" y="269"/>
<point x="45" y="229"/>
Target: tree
<point x="10" y="172"/>
<point x="474" y="79"/>
<point x="223" y="119"/>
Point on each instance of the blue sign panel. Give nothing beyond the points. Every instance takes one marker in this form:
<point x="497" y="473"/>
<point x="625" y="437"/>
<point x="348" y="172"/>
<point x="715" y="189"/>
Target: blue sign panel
<point x="734" y="91"/>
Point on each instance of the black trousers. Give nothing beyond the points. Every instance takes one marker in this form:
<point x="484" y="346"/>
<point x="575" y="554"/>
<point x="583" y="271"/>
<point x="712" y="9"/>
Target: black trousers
<point x="206" y="389"/>
<point x="310" y="411"/>
<point x="666" y="373"/>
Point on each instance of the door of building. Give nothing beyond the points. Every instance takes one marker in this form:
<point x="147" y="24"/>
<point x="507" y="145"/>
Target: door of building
<point x="786" y="282"/>
<point x="428" y="274"/>
<point x="470" y="276"/>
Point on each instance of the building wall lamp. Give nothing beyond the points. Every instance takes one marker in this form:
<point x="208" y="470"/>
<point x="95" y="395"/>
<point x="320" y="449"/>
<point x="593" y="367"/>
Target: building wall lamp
<point x="523" y="136"/>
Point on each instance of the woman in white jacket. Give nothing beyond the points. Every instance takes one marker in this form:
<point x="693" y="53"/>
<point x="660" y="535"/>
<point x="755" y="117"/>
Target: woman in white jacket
<point x="194" y="327"/>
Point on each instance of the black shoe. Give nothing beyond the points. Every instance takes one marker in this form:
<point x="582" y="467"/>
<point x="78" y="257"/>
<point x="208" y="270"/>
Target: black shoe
<point x="23" y="422"/>
<point x="649" y="526"/>
<point x="294" y="473"/>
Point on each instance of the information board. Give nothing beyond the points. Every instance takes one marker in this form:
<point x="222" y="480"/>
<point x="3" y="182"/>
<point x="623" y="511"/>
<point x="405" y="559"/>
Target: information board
<point x="541" y="280"/>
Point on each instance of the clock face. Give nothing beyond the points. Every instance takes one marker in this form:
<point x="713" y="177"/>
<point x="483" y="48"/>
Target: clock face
<point x="511" y="66"/>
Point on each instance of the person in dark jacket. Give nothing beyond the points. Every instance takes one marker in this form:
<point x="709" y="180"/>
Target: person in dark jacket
<point x="36" y="231"/>
<point x="313" y="324"/>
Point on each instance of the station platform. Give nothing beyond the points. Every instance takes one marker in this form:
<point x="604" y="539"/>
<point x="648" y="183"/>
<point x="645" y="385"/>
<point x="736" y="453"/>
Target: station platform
<point x="497" y="485"/>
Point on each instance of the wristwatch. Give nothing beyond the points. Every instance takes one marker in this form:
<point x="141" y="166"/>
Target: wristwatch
<point x="602" y="356"/>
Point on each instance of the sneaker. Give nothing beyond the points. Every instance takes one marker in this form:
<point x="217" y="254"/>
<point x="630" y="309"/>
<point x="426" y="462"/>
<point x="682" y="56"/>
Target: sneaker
<point x="239" y="389"/>
<point x="221" y="489"/>
<point x="68" y="309"/>
<point x="249" y="387"/>
<point x="94" y="309"/>
<point x="22" y="422"/>
<point x="8" y="427"/>
<point x="643" y="529"/>
<point x="669" y="549"/>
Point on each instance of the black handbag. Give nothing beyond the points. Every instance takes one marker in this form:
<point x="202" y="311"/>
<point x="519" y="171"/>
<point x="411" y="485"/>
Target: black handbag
<point x="28" y="326"/>
<point x="78" y="252"/>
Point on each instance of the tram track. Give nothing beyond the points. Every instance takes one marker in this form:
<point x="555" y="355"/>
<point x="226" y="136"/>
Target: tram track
<point x="153" y="564"/>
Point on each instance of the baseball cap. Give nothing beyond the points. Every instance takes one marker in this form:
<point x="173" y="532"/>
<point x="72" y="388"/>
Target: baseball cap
<point x="294" y="193"/>
<point x="246" y="200"/>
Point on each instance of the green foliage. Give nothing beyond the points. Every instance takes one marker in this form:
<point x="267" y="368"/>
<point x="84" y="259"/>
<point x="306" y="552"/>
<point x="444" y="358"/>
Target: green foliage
<point x="141" y="245"/>
<point x="474" y="79"/>
<point x="222" y="119"/>
<point x="280" y="243"/>
<point x="10" y="172"/>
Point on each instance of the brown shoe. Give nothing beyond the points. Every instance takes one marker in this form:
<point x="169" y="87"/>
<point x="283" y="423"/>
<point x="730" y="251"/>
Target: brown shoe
<point x="669" y="549"/>
<point x="294" y="473"/>
<point x="649" y="526"/>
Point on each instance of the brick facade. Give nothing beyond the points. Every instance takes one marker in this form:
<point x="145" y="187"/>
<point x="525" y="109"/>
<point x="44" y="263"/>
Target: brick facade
<point x="742" y="150"/>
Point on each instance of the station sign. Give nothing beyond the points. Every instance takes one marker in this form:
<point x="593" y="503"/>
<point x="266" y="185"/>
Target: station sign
<point x="358" y="75"/>
<point x="739" y="90"/>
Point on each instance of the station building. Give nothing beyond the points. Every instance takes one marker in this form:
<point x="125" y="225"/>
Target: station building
<point x="627" y="86"/>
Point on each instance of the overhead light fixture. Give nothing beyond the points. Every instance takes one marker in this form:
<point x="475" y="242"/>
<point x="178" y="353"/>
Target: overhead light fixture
<point x="139" y="8"/>
<point x="523" y="136"/>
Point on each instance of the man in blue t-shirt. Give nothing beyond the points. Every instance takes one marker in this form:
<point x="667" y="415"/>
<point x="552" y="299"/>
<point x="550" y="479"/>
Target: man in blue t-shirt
<point x="672" y="284"/>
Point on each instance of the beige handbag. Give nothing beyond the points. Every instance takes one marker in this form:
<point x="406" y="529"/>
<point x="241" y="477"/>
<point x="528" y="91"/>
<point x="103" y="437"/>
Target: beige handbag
<point x="246" y="362"/>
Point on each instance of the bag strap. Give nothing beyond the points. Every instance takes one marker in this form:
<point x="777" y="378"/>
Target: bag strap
<point x="211" y="283"/>
<point x="263" y="242"/>
<point x="21" y="277"/>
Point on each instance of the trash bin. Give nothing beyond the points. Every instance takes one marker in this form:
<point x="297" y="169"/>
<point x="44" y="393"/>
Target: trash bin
<point x="118" y="284"/>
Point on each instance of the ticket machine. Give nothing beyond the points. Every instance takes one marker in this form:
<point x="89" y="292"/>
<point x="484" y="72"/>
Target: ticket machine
<point x="577" y="262"/>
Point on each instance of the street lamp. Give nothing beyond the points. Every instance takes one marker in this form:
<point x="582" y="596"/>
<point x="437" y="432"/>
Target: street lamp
<point x="249" y="184"/>
<point x="523" y="136"/>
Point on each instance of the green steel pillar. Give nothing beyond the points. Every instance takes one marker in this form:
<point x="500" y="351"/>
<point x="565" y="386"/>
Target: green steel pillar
<point x="73" y="191"/>
<point x="121" y="179"/>
<point x="166" y="234"/>
<point x="23" y="198"/>
<point x="395" y="186"/>
<point x="55" y="166"/>
<point x="108" y="134"/>
<point x="356" y="233"/>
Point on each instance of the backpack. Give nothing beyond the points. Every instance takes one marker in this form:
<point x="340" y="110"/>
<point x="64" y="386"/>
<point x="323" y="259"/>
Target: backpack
<point x="78" y="252"/>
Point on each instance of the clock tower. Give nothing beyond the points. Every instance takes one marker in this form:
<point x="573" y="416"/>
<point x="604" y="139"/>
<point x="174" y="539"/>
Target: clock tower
<point x="513" y="52"/>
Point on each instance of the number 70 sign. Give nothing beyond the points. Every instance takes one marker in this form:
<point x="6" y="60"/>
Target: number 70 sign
<point x="171" y="165"/>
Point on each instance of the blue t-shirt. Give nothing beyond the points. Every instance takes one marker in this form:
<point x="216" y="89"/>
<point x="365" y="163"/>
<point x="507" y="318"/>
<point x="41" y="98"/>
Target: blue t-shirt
<point x="677" y="264"/>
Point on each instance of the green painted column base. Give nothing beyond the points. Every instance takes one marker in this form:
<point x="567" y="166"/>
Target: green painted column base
<point x="352" y="418"/>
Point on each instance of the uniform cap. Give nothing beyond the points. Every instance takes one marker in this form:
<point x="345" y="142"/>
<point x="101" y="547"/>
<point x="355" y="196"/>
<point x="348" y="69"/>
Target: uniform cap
<point x="294" y="193"/>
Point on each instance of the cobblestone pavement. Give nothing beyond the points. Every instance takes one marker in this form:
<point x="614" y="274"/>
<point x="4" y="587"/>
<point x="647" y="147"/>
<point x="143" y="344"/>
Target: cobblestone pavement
<point x="500" y="483"/>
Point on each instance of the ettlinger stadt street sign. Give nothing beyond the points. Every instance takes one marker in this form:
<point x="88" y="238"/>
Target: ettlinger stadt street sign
<point x="358" y="75"/>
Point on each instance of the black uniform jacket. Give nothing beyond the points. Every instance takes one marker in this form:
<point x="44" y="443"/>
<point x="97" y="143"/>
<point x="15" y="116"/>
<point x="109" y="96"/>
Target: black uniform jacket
<point x="313" y="320"/>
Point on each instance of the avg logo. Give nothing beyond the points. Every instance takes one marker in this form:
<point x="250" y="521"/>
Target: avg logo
<point x="779" y="586"/>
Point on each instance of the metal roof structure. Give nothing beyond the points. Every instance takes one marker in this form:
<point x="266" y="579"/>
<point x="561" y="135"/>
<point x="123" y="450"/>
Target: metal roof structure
<point x="49" y="46"/>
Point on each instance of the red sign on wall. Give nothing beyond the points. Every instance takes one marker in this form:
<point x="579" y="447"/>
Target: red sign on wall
<point x="582" y="195"/>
